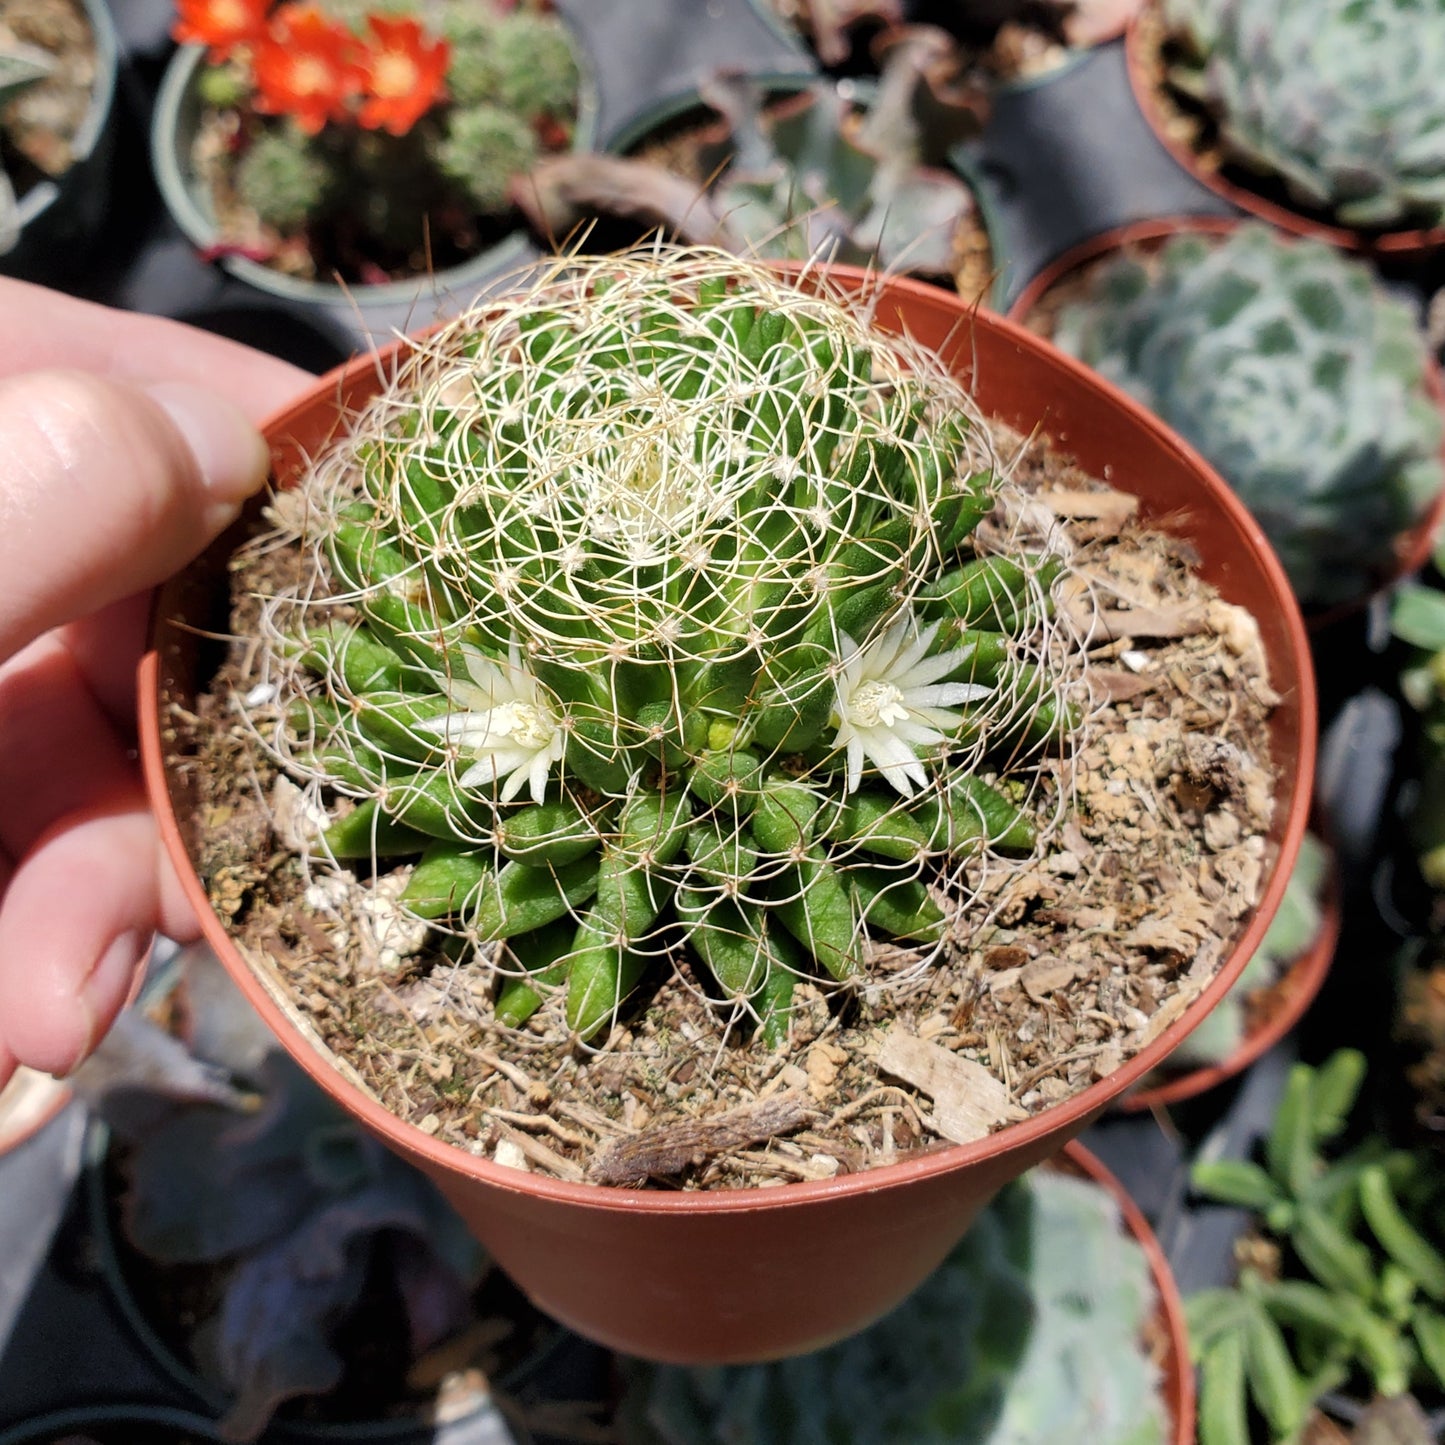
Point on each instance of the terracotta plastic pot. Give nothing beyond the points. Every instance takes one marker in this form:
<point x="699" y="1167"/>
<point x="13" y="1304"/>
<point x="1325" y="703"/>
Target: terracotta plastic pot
<point x="1290" y="998"/>
<point x="1176" y="1372"/>
<point x="740" y="1275"/>
<point x="1412" y="547"/>
<point x="1395" y="244"/>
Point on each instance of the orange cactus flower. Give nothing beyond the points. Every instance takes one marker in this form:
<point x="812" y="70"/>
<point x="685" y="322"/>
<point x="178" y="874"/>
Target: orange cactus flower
<point x="403" y="73"/>
<point x="305" y="67"/>
<point x="220" y="24"/>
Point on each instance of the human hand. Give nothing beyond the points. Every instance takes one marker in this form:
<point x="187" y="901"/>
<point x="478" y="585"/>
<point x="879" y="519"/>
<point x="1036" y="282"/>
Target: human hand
<point x="116" y="468"/>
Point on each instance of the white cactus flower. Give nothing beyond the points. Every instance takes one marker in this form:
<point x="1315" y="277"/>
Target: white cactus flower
<point x="505" y="719"/>
<point x="891" y="702"/>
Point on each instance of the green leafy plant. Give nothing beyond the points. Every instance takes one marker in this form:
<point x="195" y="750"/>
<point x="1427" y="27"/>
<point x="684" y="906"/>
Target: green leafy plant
<point x="665" y="640"/>
<point x="21" y="66"/>
<point x="1418" y="619"/>
<point x="1295" y="374"/>
<point x="815" y="175"/>
<point x="1358" y="1294"/>
<point x="1338" y="100"/>
<point x="235" y="1167"/>
<point x="1045" y="1292"/>
<point x="1294" y="928"/>
<point x="362" y="137"/>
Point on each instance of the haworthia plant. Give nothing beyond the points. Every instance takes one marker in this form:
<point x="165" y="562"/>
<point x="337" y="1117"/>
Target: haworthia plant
<point x="1032" y="1332"/>
<point x="665" y="638"/>
<point x="1339" y="100"/>
<point x="1294" y="928"/>
<point x="1295" y="373"/>
<point x="1359" y="1298"/>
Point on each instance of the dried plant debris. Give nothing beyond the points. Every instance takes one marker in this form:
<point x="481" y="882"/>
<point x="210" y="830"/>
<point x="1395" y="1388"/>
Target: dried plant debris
<point x="1064" y="964"/>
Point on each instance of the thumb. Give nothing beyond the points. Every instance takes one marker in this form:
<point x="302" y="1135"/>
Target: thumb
<point x="107" y="488"/>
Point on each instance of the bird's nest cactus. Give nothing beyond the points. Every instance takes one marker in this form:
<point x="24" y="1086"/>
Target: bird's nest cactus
<point x="645" y="627"/>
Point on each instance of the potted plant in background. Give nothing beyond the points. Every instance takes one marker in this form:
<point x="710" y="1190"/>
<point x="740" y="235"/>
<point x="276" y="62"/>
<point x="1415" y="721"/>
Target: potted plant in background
<point x="1323" y="119"/>
<point x="58" y="65"/>
<point x="1055" y="1318"/>
<point x="663" y="764"/>
<point x="859" y="174"/>
<point x="361" y="159"/>
<point x="277" y="1262"/>
<point x="1292" y="369"/>
<point x="1337" y="1310"/>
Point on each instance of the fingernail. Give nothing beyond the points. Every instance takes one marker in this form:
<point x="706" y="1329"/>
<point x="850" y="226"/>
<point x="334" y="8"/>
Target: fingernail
<point x="231" y="454"/>
<point x="106" y="987"/>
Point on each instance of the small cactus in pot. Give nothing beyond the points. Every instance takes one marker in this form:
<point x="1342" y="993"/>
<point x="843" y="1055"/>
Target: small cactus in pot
<point x="21" y="66"/>
<point x="648" y="630"/>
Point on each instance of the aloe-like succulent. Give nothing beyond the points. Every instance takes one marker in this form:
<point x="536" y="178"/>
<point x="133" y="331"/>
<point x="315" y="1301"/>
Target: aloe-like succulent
<point x="1294" y="928"/>
<point x="1340" y="100"/>
<point x="1296" y="375"/>
<point x="1032" y="1332"/>
<point x="819" y="175"/>
<point x="1348" y="1291"/>
<point x="663" y="638"/>
<point x="21" y="66"/>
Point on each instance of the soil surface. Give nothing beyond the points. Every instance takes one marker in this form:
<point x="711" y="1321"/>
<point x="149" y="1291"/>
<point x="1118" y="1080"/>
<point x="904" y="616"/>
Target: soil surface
<point x="1063" y="966"/>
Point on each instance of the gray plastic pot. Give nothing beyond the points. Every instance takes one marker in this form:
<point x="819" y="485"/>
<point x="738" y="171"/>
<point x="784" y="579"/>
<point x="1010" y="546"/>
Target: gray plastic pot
<point x="61" y="217"/>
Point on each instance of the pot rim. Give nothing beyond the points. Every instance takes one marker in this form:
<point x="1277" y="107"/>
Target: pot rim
<point x="1419" y="241"/>
<point x="1176" y="1382"/>
<point x="947" y="1160"/>
<point x="1303" y="978"/>
<point x="1413" y="546"/>
<point x="172" y="171"/>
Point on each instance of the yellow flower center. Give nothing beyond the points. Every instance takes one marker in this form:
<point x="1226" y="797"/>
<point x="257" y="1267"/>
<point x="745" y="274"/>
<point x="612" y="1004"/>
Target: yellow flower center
<point x="528" y="725"/>
<point x="394" y="74"/>
<point x="875" y="704"/>
<point x="310" y="76"/>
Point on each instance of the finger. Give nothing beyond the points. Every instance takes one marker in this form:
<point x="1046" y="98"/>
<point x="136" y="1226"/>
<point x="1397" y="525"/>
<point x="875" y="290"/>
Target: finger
<point x="105" y="647"/>
<point x="107" y="489"/>
<point x="8" y="1065"/>
<point x="44" y="330"/>
<point x="58" y="749"/>
<point x="77" y="922"/>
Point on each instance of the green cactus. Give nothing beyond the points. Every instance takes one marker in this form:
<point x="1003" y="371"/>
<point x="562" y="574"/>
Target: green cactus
<point x="1031" y="1332"/>
<point x="483" y="148"/>
<point x="538" y="71"/>
<point x="1299" y="378"/>
<point x="1340" y="100"/>
<point x="1294" y="928"/>
<point x="649" y="635"/>
<point x="285" y="179"/>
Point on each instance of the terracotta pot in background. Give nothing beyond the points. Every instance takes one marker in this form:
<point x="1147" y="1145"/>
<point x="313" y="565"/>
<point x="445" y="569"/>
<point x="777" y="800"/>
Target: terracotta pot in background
<point x="1412" y="547"/>
<point x="737" y="1275"/>
<point x="1138" y="42"/>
